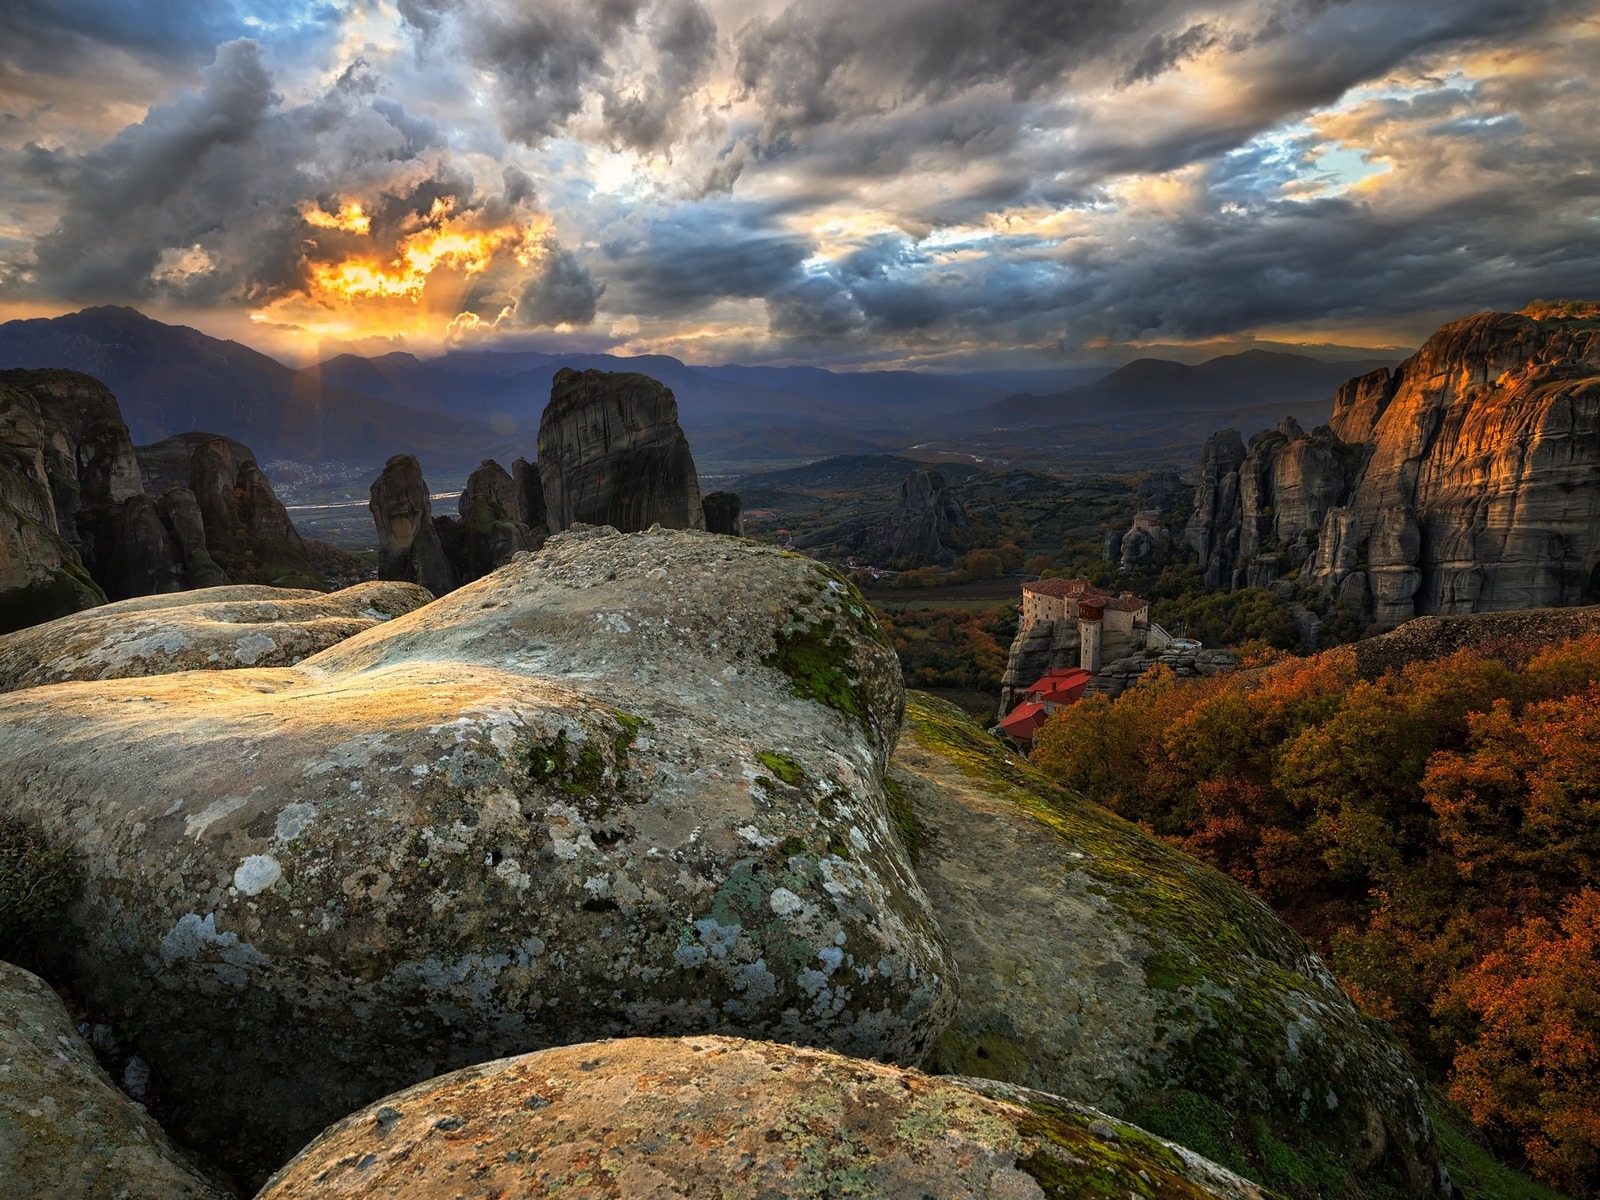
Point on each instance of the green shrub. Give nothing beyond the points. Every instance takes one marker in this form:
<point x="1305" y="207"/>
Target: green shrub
<point x="37" y="882"/>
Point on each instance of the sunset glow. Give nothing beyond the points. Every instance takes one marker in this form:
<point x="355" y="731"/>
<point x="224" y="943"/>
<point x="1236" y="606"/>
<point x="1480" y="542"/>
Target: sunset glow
<point x="708" y="178"/>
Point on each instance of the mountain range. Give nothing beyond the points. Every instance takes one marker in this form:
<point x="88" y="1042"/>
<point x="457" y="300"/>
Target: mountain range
<point x="465" y="405"/>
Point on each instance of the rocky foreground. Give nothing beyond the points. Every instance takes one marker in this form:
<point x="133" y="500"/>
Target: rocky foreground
<point x="656" y="785"/>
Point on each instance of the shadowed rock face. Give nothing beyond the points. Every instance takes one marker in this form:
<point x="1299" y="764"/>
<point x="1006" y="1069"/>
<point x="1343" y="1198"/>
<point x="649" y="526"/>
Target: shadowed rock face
<point x="489" y="530"/>
<point x="409" y="547"/>
<point x="66" y="1132"/>
<point x="248" y="531"/>
<point x="724" y="514"/>
<point x="632" y="784"/>
<point x="611" y="453"/>
<point x="1468" y="480"/>
<point x="718" y="1116"/>
<point x="1102" y="964"/>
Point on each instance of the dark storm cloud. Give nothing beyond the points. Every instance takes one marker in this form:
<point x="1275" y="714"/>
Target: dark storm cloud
<point x="563" y="293"/>
<point x="698" y="253"/>
<point x="818" y="71"/>
<point x="206" y="200"/>
<point x="546" y="60"/>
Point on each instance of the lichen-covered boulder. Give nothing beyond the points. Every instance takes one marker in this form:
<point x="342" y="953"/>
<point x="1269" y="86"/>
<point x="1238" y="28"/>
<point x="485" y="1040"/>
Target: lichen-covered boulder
<point x="1102" y="964"/>
<point x="648" y="1119"/>
<point x="631" y="785"/>
<point x="66" y="1132"/>
<point x="215" y="629"/>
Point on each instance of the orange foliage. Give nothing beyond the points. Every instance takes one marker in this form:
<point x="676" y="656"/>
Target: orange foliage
<point x="1424" y="829"/>
<point x="1533" y="1071"/>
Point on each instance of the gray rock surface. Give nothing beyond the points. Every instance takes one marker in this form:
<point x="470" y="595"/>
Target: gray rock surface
<point x="632" y="784"/>
<point x="1101" y="964"/>
<point x="611" y="452"/>
<point x="213" y="629"/>
<point x="649" y="1119"/>
<point x="66" y="1132"/>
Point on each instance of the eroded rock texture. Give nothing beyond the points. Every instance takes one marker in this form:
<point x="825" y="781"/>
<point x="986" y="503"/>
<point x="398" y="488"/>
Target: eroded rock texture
<point x="66" y="1132"/>
<point x="214" y="629"/>
<point x="717" y="1116"/>
<point x="632" y="784"/>
<point x="1099" y="963"/>
<point x="1468" y="480"/>
<point x="611" y="453"/>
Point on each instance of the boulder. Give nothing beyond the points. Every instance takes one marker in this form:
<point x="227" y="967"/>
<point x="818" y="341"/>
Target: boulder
<point x="66" y="1132"/>
<point x="611" y="453"/>
<point x="1102" y="964"/>
<point x="717" y="1116"/>
<point x="409" y="547"/>
<point x="631" y="785"/>
<point x="214" y="629"/>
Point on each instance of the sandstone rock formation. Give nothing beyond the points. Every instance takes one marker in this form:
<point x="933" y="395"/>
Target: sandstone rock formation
<point x="724" y="513"/>
<point x="441" y="552"/>
<point x="911" y="533"/>
<point x="1468" y="480"/>
<point x="489" y="530"/>
<point x="83" y="516"/>
<point x="214" y="629"/>
<point x="66" y="1132"/>
<point x="66" y="464"/>
<point x="632" y="784"/>
<point x="611" y="453"/>
<point x="1099" y="963"/>
<point x="409" y="547"/>
<point x="248" y="531"/>
<point x="717" y="1116"/>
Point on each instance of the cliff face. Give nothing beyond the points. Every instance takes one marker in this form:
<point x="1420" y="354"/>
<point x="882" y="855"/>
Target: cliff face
<point x="611" y="453"/>
<point x="1467" y="480"/>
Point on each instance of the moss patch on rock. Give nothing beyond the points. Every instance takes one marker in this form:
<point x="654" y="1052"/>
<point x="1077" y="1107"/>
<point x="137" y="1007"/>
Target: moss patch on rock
<point x="1146" y="983"/>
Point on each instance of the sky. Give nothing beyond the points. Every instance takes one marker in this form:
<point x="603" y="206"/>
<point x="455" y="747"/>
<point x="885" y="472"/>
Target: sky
<point x="933" y="184"/>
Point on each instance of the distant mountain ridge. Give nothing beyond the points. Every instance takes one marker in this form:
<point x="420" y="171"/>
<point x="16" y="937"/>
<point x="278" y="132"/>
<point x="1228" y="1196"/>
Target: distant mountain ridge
<point x="1251" y="379"/>
<point x="169" y="379"/>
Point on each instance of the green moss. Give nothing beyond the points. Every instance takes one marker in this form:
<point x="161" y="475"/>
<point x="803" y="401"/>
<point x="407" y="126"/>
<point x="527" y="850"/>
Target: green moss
<point x="68" y="590"/>
<point x="37" y="881"/>
<point x="1196" y="1122"/>
<point x="579" y="772"/>
<point x="782" y="767"/>
<point x="821" y="667"/>
<point x="1072" y="1162"/>
<point x="1313" y="1172"/>
<point x="988" y="1055"/>
<point x="1474" y="1170"/>
<point x="912" y="835"/>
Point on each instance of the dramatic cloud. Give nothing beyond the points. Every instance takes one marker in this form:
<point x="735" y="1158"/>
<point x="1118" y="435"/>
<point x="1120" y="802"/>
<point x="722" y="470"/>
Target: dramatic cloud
<point x="909" y="181"/>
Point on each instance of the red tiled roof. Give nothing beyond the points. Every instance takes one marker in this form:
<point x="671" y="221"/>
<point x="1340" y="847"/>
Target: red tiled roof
<point x="1024" y="720"/>
<point x="1059" y="587"/>
<point x="1083" y="590"/>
